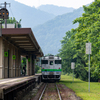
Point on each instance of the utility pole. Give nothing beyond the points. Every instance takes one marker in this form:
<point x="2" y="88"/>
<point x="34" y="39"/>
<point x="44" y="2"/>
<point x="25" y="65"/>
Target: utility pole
<point x="5" y="19"/>
<point x="5" y="7"/>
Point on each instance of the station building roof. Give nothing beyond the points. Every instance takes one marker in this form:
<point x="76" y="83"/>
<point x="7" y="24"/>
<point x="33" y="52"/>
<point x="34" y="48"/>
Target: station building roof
<point x="24" y="39"/>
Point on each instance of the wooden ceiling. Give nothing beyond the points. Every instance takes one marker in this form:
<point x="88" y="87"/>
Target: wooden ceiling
<point x="24" y="39"/>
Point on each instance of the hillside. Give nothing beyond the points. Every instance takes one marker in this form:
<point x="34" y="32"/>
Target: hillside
<point x="55" y="10"/>
<point x="30" y="16"/>
<point x="50" y="33"/>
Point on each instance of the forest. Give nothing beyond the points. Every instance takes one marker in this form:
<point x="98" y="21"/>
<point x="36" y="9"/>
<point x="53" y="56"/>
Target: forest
<point x="73" y="45"/>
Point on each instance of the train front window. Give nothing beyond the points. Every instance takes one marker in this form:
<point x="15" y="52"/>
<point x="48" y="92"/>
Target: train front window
<point x="57" y="61"/>
<point x="44" y="61"/>
<point x="51" y="62"/>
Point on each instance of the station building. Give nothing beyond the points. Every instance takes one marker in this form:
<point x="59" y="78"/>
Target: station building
<point x="14" y="43"/>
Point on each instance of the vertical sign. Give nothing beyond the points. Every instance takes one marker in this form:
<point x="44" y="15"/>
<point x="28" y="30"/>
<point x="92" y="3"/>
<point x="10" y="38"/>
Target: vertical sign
<point x="72" y="67"/>
<point x="88" y="48"/>
<point x="88" y="51"/>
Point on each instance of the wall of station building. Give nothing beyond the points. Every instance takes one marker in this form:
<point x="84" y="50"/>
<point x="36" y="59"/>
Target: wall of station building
<point x="10" y="61"/>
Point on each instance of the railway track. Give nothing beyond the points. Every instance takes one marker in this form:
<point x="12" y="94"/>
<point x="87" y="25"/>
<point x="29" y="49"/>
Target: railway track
<point x="50" y="91"/>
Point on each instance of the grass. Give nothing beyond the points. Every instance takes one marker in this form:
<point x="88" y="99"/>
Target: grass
<point x="81" y="88"/>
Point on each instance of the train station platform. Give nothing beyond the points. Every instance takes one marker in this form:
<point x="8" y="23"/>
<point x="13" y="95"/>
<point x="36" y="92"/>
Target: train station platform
<point x="14" y="43"/>
<point x="16" y="88"/>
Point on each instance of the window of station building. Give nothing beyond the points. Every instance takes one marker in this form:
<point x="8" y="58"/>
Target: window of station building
<point x="44" y="61"/>
<point x="51" y="62"/>
<point x="57" y="61"/>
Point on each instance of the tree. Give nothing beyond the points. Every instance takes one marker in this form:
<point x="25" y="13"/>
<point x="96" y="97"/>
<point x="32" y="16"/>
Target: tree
<point x="89" y="31"/>
<point x="48" y="54"/>
<point x="73" y="44"/>
<point x="67" y="52"/>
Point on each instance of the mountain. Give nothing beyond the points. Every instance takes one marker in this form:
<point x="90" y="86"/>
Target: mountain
<point x="55" y="10"/>
<point x="30" y="16"/>
<point x="50" y="33"/>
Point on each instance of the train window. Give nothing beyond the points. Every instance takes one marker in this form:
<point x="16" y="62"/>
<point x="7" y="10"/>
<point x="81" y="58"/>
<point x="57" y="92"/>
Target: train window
<point x="44" y="61"/>
<point x="57" y="61"/>
<point x="51" y="62"/>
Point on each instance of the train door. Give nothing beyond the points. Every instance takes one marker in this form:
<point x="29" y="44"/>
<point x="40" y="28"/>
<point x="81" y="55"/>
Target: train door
<point x="51" y="64"/>
<point x="51" y="69"/>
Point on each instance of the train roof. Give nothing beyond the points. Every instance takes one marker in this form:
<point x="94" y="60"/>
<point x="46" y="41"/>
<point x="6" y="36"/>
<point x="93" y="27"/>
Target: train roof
<point x="51" y="58"/>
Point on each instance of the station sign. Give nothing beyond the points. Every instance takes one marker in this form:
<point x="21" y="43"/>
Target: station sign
<point x="6" y="54"/>
<point x="88" y="48"/>
<point x="72" y="65"/>
<point x="13" y="57"/>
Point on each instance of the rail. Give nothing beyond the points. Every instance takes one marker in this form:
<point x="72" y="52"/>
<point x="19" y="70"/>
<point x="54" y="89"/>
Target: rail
<point x="58" y="92"/>
<point x="43" y="92"/>
<point x="45" y="89"/>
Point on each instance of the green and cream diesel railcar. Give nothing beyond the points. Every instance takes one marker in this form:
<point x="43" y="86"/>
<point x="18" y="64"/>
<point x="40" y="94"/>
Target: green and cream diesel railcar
<point x="51" y="67"/>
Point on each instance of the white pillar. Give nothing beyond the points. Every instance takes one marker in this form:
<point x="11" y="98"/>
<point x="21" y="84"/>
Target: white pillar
<point x="1" y="58"/>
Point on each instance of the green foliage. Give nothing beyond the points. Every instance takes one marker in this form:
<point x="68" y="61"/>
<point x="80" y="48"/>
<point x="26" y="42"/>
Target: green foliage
<point x="81" y="87"/>
<point x="23" y="62"/>
<point x="74" y="47"/>
<point x="13" y="21"/>
<point x="36" y="68"/>
<point x="48" y="54"/>
<point x="67" y="52"/>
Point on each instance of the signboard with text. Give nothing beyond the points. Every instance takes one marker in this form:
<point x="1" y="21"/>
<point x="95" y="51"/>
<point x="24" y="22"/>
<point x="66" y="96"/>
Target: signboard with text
<point x="88" y="48"/>
<point x="72" y="65"/>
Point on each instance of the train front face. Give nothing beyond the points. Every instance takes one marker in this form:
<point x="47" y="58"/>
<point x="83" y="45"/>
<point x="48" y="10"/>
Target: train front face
<point x="51" y="68"/>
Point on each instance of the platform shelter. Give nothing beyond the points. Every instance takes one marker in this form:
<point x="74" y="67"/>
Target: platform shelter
<point x="15" y="42"/>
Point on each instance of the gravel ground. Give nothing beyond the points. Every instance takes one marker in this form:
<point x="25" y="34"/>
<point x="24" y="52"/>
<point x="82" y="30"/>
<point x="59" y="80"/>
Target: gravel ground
<point x="51" y="93"/>
<point x="66" y="93"/>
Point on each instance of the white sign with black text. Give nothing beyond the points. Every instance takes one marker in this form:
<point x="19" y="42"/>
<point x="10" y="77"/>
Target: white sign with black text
<point x="88" y="48"/>
<point x="72" y="65"/>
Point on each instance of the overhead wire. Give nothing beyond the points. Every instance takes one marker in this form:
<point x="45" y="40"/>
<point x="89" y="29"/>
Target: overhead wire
<point x="11" y="12"/>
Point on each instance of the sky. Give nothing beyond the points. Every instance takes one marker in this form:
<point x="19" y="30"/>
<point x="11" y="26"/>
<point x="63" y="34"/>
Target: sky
<point x="65" y="3"/>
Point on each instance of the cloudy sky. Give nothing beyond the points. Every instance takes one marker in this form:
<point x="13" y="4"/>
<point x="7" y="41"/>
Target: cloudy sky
<point x="66" y="3"/>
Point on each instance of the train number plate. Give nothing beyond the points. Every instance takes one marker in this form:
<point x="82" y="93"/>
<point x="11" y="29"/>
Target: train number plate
<point x="51" y="73"/>
<point x="57" y="72"/>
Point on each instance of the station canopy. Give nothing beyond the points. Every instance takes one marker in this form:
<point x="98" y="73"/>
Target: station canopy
<point x="24" y="39"/>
